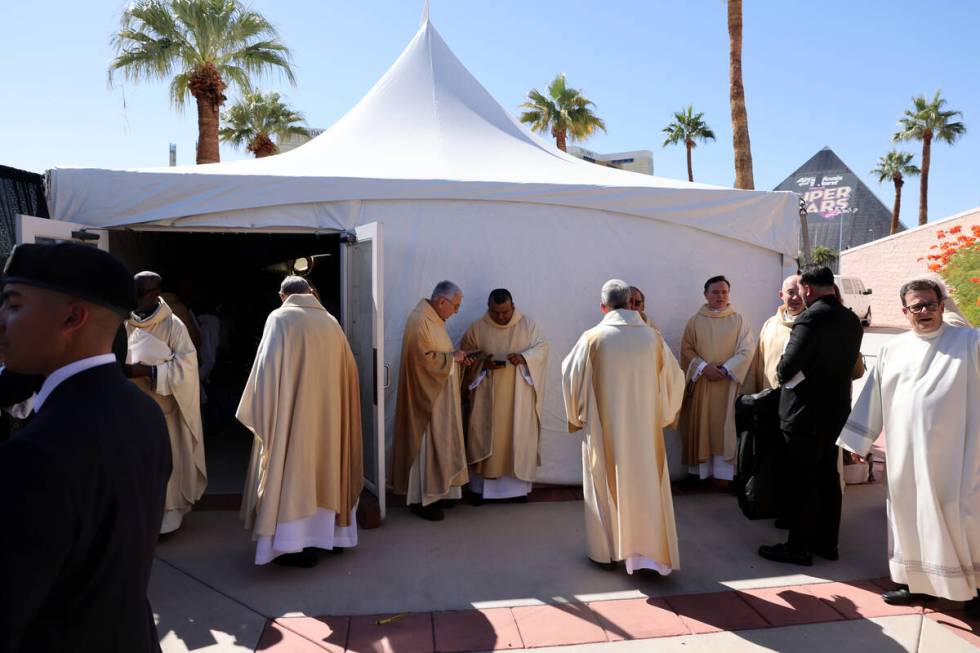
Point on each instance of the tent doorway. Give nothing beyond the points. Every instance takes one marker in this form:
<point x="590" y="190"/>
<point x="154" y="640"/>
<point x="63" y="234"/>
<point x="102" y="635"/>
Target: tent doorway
<point x="229" y="281"/>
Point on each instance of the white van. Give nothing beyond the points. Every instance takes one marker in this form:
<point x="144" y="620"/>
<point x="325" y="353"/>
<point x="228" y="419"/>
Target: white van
<point x="855" y="297"/>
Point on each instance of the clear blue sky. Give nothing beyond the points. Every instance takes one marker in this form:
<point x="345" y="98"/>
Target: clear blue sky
<point x="834" y="72"/>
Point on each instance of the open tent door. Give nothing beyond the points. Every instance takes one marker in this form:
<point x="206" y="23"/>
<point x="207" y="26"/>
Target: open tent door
<point x="43" y="231"/>
<point x="364" y="324"/>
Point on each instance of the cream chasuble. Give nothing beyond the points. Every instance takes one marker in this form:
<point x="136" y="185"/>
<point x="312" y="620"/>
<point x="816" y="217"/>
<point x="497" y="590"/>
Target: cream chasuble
<point x="708" y="417"/>
<point x="622" y="386"/>
<point x="303" y="403"/>
<point x="923" y="392"/>
<point x="772" y="341"/>
<point x="163" y="342"/>
<point x="428" y="443"/>
<point x="505" y="405"/>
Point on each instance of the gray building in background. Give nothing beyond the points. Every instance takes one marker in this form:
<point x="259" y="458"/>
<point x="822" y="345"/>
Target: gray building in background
<point x="842" y="212"/>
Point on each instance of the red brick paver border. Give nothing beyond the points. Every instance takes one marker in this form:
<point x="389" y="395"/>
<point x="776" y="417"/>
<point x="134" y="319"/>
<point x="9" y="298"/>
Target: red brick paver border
<point x="600" y="621"/>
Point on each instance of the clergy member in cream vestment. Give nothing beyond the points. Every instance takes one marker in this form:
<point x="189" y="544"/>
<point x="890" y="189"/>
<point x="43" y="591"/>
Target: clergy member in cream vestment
<point x="622" y="386"/>
<point x="923" y="392"/>
<point x="505" y="399"/>
<point x="774" y="336"/>
<point x="303" y="403"/>
<point x="716" y="352"/>
<point x="429" y="457"/>
<point x="162" y="361"/>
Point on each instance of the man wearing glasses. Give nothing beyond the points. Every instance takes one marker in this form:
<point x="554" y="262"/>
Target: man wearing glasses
<point x="923" y="393"/>
<point x="429" y="457"/>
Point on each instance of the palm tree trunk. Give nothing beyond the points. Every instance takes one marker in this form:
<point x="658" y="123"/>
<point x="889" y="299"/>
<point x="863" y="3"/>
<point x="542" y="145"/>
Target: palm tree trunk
<point x="690" y="170"/>
<point x="898" y="203"/>
<point x="207" y="131"/>
<point x="560" y="138"/>
<point x="740" y="119"/>
<point x="924" y="179"/>
<point x="208" y="89"/>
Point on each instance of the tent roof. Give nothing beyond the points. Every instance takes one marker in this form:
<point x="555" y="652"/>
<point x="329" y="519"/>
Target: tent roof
<point x="427" y="130"/>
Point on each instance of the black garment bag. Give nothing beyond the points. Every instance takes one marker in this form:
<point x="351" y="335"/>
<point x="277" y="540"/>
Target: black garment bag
<point x="760" y="454"/>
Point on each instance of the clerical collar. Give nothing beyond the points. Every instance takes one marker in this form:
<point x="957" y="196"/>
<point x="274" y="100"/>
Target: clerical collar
<point x="932" y="334"/>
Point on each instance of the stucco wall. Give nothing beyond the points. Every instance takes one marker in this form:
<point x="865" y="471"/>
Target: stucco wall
<point x="885" y="264"/>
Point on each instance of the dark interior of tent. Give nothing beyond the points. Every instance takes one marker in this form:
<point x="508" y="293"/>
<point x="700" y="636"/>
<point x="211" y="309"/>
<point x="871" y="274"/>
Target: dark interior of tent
<point x="235" y="278"/>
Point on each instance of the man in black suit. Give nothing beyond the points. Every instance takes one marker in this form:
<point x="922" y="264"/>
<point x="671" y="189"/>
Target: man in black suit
<point x="815" y="375"/>
<point x="82" y="486"/>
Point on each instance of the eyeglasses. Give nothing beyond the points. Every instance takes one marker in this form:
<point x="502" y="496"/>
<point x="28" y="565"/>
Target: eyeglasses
<point x="928" y="307"/>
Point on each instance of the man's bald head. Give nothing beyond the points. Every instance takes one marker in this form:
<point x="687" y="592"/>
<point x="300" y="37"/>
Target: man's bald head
<point x="790" y="294"/>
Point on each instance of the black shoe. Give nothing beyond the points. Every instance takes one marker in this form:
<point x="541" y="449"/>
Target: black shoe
<point x="972" y="607"/>
<point x="305" y="559"/>
<point x="902" y="596"/>
<point x="447" y="504"/>
<point x="431" y="512"/>
<point x="472" y="498"/>
<point x="692" y="482"/>
<point x="782" y="553"/>
<point x="781" y="523"/>
<point x="605" y="566"/>
<point x="827" y="554"/>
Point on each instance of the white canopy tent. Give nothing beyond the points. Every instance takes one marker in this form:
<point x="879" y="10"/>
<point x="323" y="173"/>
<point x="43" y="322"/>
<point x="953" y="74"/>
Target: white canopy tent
<point x="465" y="192"/>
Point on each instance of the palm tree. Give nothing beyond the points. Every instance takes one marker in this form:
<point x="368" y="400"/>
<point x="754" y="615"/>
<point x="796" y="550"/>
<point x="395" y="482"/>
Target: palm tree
<point x="822" y="255"/>
<point x="927" y="121"/>
<point x="736" y="95"/>
<point x="687" y="128"/>
<point x="565" y="112"/>
<point x="895" y="166"/>
<point x="255" y="119"/>
<point x="201" y="46"/>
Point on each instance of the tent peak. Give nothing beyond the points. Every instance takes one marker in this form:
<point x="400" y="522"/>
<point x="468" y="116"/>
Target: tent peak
<point x="425" y="14"/>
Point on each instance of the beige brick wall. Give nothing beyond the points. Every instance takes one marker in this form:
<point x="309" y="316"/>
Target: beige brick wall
<point x="885" y="264"/>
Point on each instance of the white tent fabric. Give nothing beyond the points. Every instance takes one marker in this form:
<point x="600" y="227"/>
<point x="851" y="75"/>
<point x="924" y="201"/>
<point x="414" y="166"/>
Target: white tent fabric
<point x="466" y="193"/>
<point x="427" y="130"/>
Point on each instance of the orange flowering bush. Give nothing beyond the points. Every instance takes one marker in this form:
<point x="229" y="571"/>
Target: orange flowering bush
<point x="956" y="257"/>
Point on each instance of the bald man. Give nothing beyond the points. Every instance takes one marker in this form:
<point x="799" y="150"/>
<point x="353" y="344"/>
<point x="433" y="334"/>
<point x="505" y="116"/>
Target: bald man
<point x="775" y="334"/>
<point x="82" y="486"/>
<point x="162" y="362"/>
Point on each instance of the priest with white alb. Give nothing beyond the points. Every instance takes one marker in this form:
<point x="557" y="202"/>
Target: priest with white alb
<point x="505" y="394"/>
<point x="303" y="404"/>
<point x="622" y="386"/>
<point x="162" y="362"/>
<point x="922" y="392"/>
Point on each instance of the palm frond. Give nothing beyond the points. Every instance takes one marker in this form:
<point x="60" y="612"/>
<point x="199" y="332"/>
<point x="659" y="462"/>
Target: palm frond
<point x="928" y="117"/>
<point x="688" y="127"/>
<point x="895" y="166"/>
<point x="161" y="38"/>
<point x="564" y="109"/>
<point x="260" y="114"/>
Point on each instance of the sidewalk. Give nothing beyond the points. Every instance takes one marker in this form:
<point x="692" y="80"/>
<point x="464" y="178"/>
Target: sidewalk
<point x="516" y="577"/>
